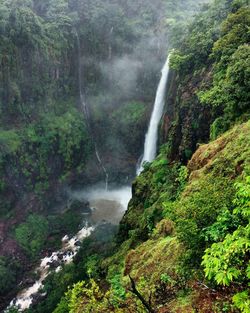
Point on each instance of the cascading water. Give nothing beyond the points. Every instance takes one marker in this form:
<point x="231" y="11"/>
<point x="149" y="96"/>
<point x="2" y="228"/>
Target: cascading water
<point x="150" y="144"/>
<point x="86" y="112"/>
<point x="103" y="167"/>
<point x="57" y="259"/>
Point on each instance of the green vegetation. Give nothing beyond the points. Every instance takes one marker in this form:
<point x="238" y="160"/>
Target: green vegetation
<point x="183" y="244"/>
<point x="43" y="138"/>
<point x="30" y="153"/>
<point x="218" y="39"/>
<point x="206" y="219"/>
<point x="184" y="239"/>
<point x="7" y="276"/>
<point x="192" y="219"/>
<point x="32" y="234"/>
<point x="132" y="120"/>
<point x="230" y="86"/>
<point x="226" y="261"/>
<point x="129" y="113"/>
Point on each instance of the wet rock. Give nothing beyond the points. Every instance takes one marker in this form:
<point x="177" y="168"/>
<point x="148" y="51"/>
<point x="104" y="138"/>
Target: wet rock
<point x="28" y="282"/>
<point x="77" y="243"/>
<point x="37" y="298"/>
<point x="60" y="256"/>
<point x="55" y="264"/>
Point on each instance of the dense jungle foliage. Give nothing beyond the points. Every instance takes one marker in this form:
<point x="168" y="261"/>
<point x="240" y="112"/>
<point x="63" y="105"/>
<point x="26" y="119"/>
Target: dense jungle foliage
<point x="183" y="245"/>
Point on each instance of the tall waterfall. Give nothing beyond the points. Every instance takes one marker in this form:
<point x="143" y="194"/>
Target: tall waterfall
<point x="151" y="138"/>
<point x="86" y="112"/>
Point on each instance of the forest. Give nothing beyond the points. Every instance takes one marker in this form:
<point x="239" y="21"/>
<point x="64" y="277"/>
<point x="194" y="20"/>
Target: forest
<point x="80" y="82"/>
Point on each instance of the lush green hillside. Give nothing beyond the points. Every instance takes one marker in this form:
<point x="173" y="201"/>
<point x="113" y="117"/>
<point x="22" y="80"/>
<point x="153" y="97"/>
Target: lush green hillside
<point x="184" y="240"/>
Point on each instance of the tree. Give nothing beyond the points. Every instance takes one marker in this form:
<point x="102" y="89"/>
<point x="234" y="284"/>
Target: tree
<point x="229" y="93"/>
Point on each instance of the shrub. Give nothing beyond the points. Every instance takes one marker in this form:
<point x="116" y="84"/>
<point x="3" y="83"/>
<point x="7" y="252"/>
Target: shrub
<point x="227" y="261"/>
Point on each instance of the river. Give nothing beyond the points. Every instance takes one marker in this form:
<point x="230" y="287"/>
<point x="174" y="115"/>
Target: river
<point x="107" y="206"/>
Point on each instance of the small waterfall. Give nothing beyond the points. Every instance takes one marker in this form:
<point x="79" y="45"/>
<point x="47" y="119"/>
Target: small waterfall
<point x="103" y="167"/>
<point x="86" y="111"/>
<point x="150" y="145"/>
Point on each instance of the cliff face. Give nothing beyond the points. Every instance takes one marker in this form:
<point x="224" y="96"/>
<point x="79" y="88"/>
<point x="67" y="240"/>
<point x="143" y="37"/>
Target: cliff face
<point x="208" y="92"/>
<point x="186" y="123"/>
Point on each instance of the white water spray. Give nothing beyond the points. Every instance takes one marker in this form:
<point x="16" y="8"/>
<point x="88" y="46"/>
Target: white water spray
<point x="107" y="205"/>
<point x="86" y="112"/>
<point x="63" y="256"/>
<point x="150" y="144"/>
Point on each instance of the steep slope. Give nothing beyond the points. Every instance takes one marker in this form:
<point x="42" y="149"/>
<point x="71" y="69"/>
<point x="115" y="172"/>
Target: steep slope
<point x="166" y="267"/>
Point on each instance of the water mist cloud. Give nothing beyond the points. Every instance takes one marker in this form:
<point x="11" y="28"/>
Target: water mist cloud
<point x="122" y="73"/>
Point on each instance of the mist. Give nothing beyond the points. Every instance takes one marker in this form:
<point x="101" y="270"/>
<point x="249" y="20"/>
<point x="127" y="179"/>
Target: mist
<point x="107" y="205"/>
<point x="122" y="74"/>
<point x="131" y="43"/>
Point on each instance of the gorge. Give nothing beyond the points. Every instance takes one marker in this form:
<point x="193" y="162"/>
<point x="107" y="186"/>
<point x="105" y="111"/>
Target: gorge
<point x="124" y="183"/>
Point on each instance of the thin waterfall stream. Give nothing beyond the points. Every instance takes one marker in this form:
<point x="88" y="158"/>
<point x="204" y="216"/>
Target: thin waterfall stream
<point x="82" y="99"/>
<point x="103" y="167"/>
<point x="150" y="145"/>
<point x="86" y="113"/>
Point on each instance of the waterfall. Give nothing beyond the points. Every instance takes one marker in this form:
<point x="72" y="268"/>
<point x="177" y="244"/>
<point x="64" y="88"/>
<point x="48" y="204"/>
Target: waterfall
<point x="86" y="112"/>
<point x="151" y="138"/>
<point x="103" y="167"/>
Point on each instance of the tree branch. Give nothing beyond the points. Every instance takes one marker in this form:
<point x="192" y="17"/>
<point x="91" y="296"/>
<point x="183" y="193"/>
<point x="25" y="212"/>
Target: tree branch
<point x="140" y="297"/>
